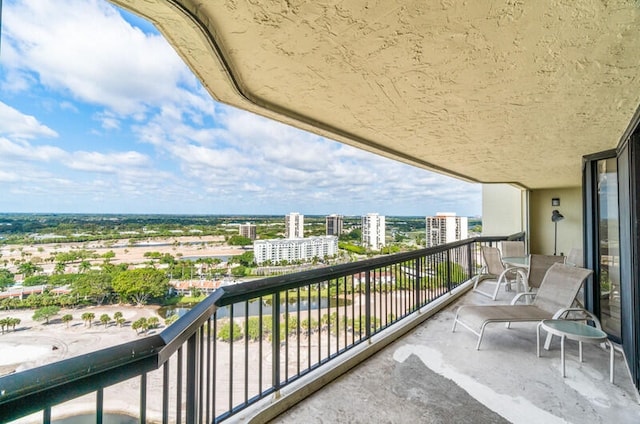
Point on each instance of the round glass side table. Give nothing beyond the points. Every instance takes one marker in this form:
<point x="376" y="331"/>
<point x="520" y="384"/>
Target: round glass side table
<point x="575" y="330"/>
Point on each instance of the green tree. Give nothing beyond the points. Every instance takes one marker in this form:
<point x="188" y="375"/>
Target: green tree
<point x="246" y="259"/>
<point x="46" y="313"/>
<point x="94" y="285"/>
<point x="9" y="322"/>
<point x="238" y="271"/>
<point x="224" y="333"/>
<point x="105" y="319"/>
<point x="238" y="240"/>
<point x="140" y="324"/>
<point x="141" y="284"/>
<point x="195" y="291"/>
<point x="59" y="268"/>
<point x="35" y="280"/>
<point x="84" y="267"/>
<point x="170" y="320"/>
<point x="13" y="322"/>
<point x="28" y="269"/>
<point x="6" y="278"/>
<point x="67" y="318"/>
<point x="153" y="322"/>
<point x="88" y="317"/>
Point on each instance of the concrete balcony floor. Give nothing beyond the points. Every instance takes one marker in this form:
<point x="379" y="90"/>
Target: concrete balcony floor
<point x="432" y="375"/>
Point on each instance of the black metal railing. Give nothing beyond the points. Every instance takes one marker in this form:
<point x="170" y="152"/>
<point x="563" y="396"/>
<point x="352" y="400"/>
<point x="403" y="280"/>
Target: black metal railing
<point x="244" y="342"/>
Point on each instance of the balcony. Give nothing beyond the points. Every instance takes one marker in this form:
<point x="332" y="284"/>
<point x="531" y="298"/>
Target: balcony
<point x="297" y="334"/>
<point x="434" y="375"/>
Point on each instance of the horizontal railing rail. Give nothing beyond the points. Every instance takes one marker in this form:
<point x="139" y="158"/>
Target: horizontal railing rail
<point x="245" y="341"/>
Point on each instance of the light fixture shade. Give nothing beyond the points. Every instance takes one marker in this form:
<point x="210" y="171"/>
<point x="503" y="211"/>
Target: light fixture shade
<point x="556" y="216"/>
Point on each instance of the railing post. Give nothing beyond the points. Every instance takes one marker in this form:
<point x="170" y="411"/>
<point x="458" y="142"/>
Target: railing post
<point x="275" y="377"/>
<point x="367" y="302"/>
<point x="99" y="405"/>
<point x="418" y="276"/>
<point x="192" y="372"/>
<point x="470" y="260"/>
<point x="449" y="271"/>
<point x="143" y="398"/>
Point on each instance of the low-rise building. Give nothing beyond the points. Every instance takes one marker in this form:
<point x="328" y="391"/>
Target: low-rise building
<point x="299" y="249"/>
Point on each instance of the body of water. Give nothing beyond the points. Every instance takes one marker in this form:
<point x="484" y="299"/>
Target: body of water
<point x="254" y="307"/>
<point x="91" y="418"/>
<point x="223" y="258"/>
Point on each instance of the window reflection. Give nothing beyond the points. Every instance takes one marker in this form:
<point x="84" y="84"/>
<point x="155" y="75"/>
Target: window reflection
<point x="609" y="246"/>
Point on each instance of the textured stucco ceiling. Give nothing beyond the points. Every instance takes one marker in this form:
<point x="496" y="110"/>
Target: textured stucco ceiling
<point x="491" y="91"/>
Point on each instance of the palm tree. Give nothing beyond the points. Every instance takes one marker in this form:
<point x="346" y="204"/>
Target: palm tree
<point x="88" y="317"/>
<point x="13" y="322"/>
<point x="59" y="268"/>
<point x="84" y="267"/>
<point x="28" y="269"/>
<point x="67" y="319"/>
<point x="140" y="324"/>
<point x="153" y="322"/>
<point x="104" y="319"/>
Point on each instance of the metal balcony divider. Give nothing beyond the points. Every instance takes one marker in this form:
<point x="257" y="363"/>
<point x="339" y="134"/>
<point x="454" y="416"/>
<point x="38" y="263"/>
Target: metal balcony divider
<point x="226" y="365"/>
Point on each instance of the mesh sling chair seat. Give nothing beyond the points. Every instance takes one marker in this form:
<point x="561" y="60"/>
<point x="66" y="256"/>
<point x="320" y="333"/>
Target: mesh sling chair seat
<point x="538" y="267"/>
<point x="553" y="300"/>
<point x="495" y="273"/>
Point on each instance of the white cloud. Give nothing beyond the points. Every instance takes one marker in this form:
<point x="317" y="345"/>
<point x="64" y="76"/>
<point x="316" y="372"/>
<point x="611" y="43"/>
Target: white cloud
<point x="171" y="148"/>
<point x="117" y="66"/>
<point x="110" y="163"/>
<point x="24" y="152"/>
<point x="13" y="123"/>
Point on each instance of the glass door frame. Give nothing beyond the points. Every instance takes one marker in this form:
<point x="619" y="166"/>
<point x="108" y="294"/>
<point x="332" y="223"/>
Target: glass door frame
<point x="592" y="230"/>
<point x="627" y="155"/>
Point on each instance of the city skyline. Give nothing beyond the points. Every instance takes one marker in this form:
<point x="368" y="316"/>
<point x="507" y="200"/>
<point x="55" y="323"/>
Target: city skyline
<point x="112" y="121"/>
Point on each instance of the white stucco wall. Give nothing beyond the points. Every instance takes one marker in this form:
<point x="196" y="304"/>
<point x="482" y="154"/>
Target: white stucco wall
<point x="503" y="210"/>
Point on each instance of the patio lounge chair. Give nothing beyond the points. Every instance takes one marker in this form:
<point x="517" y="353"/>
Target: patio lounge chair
<point x="538" y="267"/>
<point x="495" y="273"/>
<point x="553" y="300"/>
<point x="512" y="248"/>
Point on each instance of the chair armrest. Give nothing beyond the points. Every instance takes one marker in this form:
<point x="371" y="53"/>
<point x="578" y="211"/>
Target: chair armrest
<point x="520" y="295"/>
<point x="515" y="268"/>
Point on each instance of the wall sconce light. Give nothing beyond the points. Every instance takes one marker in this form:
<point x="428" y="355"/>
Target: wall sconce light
<point x="555" y="201"/>
<point x="556" y="216"/>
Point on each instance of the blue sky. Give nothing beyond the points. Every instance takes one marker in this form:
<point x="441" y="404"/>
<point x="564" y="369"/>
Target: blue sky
<point x="112" y="121"/>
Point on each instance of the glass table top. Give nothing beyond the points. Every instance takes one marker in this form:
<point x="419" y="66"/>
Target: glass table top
<point x="574" y="328"/>
<point x="516" y="260"/>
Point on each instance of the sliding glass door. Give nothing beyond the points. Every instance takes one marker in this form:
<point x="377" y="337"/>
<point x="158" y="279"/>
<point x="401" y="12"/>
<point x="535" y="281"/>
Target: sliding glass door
<point x="611" y="206"/>
<point x="607" y="249"/>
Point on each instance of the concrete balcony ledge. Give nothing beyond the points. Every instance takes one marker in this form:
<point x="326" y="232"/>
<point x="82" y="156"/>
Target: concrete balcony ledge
<point x="429" y="374"/>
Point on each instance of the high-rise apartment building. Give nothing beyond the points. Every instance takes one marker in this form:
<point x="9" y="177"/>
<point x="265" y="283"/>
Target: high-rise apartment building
<point x="334" y="225"/>
<point x="294" y="225"/>
<point x="373" y="231"/>
<point x="248" y="230"/>
<point x="446" y="227"/>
